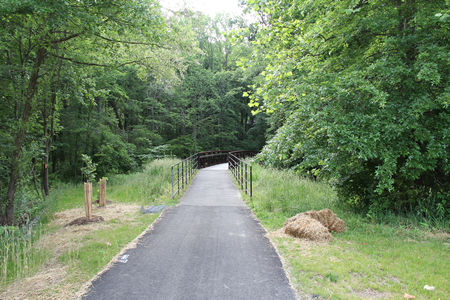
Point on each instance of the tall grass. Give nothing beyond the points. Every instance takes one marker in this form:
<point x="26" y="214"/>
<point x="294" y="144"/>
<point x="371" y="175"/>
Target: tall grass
<point x="19" y="255"/>
<point x="150" y="186"/>
<point x="280" y="194"/>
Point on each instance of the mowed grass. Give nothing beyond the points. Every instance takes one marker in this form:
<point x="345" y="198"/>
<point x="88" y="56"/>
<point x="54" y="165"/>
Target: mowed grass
<point x="89" y="252"/>
<point x="368" y="260"/>
<point x="98" y="247"/>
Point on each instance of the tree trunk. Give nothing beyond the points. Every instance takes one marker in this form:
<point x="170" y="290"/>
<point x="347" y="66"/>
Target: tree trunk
<point x="195" y="134"/>
<point x="49" y="135"/>
<point x="183" y="121"/>
<point x="18" y="140"/>
<point x="44" y="125"/>
<point x="125" y="121"/>
<point x="33" y="174"/>
<point x="116" y="112"/>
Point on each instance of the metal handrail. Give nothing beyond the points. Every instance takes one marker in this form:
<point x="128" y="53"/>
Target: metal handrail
<point x="183" y="171"/>
<point x="242" y="172"/>
<point x="188" y="167"/>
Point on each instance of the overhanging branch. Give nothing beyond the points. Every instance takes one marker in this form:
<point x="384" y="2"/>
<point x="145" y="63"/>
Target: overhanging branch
<point x="80" y="62"/>
<point x="97" y="64"/>
<point x="66" y="38"/>
<point x="129" y="42"/>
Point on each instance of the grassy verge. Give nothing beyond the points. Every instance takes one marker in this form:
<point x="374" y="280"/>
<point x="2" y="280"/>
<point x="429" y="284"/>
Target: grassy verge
<point x="368" y="260"/>
<point x="54" y="261"/>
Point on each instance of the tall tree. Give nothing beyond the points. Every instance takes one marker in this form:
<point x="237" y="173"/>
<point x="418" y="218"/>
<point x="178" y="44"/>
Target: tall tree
<point x="33" y="30"/>
<point x="360" y="90"/>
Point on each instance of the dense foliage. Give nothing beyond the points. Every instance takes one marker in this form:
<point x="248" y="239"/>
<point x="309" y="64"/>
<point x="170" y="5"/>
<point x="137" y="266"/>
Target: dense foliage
<point x="119" y="81"/>
<point x="359" y="93"/>
<point x="356" y="92"/>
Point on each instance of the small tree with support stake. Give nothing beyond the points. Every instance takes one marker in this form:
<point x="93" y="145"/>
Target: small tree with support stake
<point x="89" y="175"/>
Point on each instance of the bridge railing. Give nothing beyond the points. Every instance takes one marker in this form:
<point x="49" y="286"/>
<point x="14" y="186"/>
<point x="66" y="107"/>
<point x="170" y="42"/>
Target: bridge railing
<point x="210" y="158"/>
<point x="183" y="172"/>
<point x="242" y="172"/>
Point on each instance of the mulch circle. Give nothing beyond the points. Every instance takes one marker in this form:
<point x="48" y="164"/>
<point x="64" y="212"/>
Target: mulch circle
<point x="107" y="202"/>
<point x="84" y="220"/>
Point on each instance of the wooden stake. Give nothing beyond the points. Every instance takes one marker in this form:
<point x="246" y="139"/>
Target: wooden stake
<point x="88" y="199"/>
<point x="102" y="193"/>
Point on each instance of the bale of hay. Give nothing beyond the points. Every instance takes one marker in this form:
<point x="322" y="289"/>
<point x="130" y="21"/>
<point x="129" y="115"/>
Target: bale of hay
<point x="328" y="219"/>
<point x="303" y="226"/>
<point x="314" y="225"/>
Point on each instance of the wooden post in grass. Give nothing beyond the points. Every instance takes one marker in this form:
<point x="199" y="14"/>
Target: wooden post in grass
<point x="102" y="192"/>
<point x="88" y="199"/>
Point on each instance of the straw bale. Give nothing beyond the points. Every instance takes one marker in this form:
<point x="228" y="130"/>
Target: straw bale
<point x="303" y="226"/>
<point x="328" y="219"/>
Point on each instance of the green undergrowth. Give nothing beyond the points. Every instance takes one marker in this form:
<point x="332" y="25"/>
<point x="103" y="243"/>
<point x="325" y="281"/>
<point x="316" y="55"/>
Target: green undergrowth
<point x="371" y="259"/>
<point x="21" y="255"/>
<point x="150" y="186"/>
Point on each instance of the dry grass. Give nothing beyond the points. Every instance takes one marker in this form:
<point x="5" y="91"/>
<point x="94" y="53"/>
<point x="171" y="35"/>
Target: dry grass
<point x="303" y="226"/>
<point x="50" y="282"/>
<point x="327" y="218"/>
<point x="37" y="286"/>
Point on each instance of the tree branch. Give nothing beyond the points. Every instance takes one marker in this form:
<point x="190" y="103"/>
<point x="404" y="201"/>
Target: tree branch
<point x="128" y="42"/>
<point x="99" y="65"/>
<point x="66" y="38"/>
<point x="80" y="62"/>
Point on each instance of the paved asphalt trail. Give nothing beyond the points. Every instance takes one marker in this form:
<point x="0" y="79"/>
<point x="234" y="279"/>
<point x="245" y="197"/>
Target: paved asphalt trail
<point x="207" y="247"/>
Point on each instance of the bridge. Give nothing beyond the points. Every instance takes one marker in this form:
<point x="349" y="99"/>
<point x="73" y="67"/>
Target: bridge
<point x="183" y="171"/>
<point x="209" y="246"/>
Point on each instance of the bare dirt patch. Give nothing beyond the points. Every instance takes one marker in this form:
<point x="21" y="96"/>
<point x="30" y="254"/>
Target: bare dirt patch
<point x="49" y="282"/>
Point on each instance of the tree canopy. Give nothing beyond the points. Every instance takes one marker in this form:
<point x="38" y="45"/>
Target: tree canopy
<point x="118" y="81"/>
<point x="354" y="92"/>
<point x="358" y="93"/>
